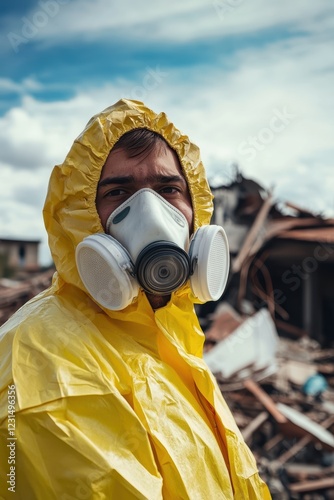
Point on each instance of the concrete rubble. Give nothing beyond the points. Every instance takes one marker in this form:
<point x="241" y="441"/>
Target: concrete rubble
<point x="270" y="338"/>
<point x="15" y="292"/>
<point x="281" y="393"/>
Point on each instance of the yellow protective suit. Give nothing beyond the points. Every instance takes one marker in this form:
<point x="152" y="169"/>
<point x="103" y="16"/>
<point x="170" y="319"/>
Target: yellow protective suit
<point x="114" y="405"/>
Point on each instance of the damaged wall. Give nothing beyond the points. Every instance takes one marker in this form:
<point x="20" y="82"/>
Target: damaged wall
<point x="282" y="258"/>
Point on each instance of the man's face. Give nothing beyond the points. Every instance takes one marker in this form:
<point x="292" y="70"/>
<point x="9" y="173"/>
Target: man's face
<point x="160" y="171"/>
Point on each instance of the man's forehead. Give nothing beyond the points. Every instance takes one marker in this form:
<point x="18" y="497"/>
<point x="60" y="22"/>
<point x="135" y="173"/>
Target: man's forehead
<point x="150" y="178"/>
<point x="158" y="161"/>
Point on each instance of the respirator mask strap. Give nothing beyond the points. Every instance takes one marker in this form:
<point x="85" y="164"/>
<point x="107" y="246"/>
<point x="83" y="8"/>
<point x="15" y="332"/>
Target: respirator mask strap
<point x="106" y="270"/>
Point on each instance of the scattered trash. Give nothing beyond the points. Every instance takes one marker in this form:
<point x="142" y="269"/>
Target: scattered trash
<point x="248" y="350"/>
<point x="315" y="385"/>
<point x="281" y="393"/>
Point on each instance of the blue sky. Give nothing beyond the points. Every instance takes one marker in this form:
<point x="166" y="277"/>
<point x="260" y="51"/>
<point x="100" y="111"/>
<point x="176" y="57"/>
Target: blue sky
<point x="250" y="81"/>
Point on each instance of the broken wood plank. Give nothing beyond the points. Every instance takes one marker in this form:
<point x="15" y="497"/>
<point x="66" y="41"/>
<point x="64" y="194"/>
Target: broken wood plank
<point x="303" y="471"/>
<point x="307" y="486"/>
<point x="248" y="431"/>
<point x="266" y="400"/>
<point x="252" y="235"/>
<point x="273" y="442"/>
<point x="303" y="442"/>
<point x="303" y="424"/>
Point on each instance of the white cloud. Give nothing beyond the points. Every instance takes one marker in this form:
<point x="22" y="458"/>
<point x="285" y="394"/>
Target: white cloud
<point x="223" y="109"/>
<point x="228" y="109"/>
<point x="27" y="85"/>
<point x="58" y="21"/>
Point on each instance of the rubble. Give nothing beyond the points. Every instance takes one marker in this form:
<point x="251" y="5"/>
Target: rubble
<point x="270" y="338"/>
<point x="288" y="426"/>
<point x="14" y="293"/>
<point x="249" y="348"/>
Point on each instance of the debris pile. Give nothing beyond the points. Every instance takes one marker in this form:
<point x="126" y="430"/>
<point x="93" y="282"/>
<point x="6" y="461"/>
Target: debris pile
<point x="281" y="393"/>
<point x="14" y="293"/>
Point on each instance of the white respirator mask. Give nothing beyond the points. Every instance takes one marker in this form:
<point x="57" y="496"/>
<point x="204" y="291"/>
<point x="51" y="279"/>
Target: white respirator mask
<point x="148" y="246"/>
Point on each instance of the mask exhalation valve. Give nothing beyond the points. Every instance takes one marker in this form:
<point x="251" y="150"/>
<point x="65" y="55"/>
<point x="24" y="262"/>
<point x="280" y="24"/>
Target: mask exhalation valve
<point x="162" y="267"/>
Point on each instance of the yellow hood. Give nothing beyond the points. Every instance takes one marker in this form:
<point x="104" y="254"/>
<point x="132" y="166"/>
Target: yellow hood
<point x="70" y="213"/>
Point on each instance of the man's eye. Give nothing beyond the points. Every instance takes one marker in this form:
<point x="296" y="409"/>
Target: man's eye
<point x="169" y="190"/>
<point x="115" y="192"/>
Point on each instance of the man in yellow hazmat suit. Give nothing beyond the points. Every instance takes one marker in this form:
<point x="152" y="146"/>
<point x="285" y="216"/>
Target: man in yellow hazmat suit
<point x="104" y="392"/>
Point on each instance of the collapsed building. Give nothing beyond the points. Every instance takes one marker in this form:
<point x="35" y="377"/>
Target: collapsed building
<point x="282" y="257"/>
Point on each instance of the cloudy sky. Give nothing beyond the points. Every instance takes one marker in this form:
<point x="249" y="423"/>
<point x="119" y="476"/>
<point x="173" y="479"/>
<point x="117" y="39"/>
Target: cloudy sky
<point x="250" y="81"/>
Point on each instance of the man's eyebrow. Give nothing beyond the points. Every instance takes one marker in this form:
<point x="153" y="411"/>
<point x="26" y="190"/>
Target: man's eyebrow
<point x="128" y="179"/>
<point x="169" y="178"/>
<point x="116" y="180"/>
